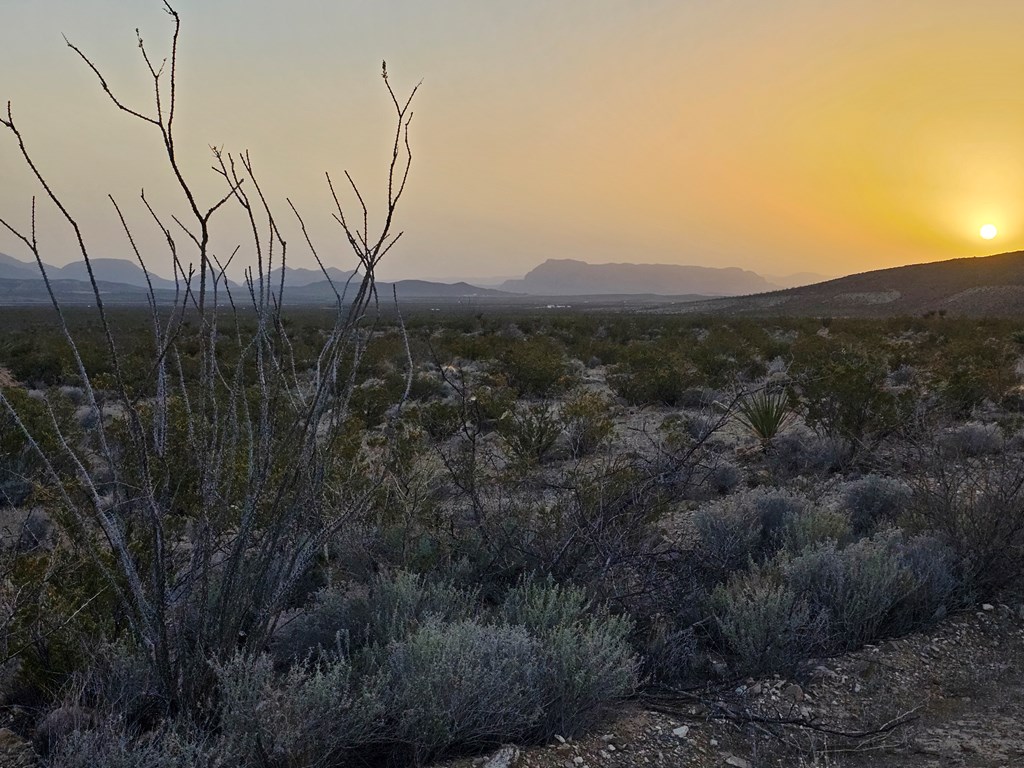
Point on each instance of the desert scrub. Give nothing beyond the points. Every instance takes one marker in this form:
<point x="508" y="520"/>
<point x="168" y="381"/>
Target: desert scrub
<point x="762" y="623"/>
<point x="651" y="376"/>
<point x="975" y="506"/>
<point x="530" y="432"/>
<point x="743" y="528"/>
<point x="815" y="525"/>
<point x="587" y="661"/>
<point x="873" y="588"/>
<point x="587" y="423"/>
<point x="873" y="501"/>
<point x="536" y="367"/>
<point x="844" y="391"/>
<point x="313" y="714"/>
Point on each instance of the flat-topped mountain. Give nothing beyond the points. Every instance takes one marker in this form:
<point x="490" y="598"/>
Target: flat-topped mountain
<point x="569" y="277"/>
<point x="985" y="285"/>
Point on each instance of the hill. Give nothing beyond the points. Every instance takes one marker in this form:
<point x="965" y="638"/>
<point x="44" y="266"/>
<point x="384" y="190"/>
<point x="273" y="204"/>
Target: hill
<point x="980" y="286"/>
<point x="570" y="277"/>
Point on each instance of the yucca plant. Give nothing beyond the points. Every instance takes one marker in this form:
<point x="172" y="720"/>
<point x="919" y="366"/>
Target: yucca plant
<point x="765" y="412"/>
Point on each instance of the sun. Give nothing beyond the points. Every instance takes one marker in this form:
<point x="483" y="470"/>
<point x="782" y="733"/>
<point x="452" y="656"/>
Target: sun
<point x="989" y="231"/>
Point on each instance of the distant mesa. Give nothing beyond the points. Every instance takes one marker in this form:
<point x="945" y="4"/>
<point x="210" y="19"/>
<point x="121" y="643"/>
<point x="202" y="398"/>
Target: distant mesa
<point x="569" y="277"/>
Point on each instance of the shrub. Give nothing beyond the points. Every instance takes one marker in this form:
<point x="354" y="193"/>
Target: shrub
<point x="311" y="715"/>
<point x="587" y="423"/>
<point x="934" y="585"/>
<point x="112" y="746"/>
<point x="723" y="477"/>
<point x="536" y="367"/>
<point x="461" y="686"/>
<point x="396" y="606"/>
<point x="799" y="452"/>
<point x="873" y="588"/>
<point x="846" y="396"/>
<point x="813" y="526"/>
<point x="744" y="527"/>
<point x="972" y="439"/>
<point x="763" y="624"/>
<point x="976" y="507"/>
<point x="874" y="500"/>
<point x="587" y="662"/>
<point x="650" y="376"/>
<point x="530" y="432"/>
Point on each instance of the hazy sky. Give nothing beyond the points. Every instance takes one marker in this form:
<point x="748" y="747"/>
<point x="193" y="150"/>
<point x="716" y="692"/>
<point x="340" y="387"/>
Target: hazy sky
<point x="778" y="136"/>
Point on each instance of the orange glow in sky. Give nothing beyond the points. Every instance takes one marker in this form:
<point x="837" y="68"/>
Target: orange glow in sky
<point x="780" y="137"/>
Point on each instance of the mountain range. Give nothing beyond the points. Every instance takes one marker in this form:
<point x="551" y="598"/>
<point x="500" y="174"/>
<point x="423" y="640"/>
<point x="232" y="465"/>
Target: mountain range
<point x="123" y="281"/>
<point x="989" y="285"/>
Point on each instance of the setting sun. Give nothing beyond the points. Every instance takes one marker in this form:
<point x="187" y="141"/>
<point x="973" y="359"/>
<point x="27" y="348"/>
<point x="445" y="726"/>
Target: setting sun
<point x="989" y="231"/>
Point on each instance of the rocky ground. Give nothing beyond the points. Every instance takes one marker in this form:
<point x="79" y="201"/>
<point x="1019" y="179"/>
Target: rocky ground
<point x="952" y="697"/>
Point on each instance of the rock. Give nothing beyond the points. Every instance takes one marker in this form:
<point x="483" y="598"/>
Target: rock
<point x="988" y="607"/>
<point x="16" y="752"/>
<point x="62" y="722"/>
<point x="738" y="762"/>
<point x="681" y="731"/>
<point x="503" y="758"/>
<point x="793" y="692"/>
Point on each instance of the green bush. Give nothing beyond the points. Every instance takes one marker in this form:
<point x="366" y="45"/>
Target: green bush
<point x="587" y="423"/>
<point x="814" y="526"/>
<point x="536" y="367"/>
<point x="846" y="396"/>
<point x="652" y="376"/>
<point x="530" y="432"/>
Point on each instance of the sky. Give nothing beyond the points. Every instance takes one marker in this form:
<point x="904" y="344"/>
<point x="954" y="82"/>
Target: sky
<point x="797" y="135"/>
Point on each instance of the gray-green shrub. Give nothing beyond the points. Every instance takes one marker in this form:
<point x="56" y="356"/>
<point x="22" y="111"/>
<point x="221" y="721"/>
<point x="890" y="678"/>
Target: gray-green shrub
<point x="744" y="527"/>
<point x="815" y="525"/>
<point x="461" y="686"/>
<point x="874" y="500"/>
<point x="872" y="588"/>
<point x="588" y="663"/>
<point x="311" y="715"/>
<point x="763" y="624"/>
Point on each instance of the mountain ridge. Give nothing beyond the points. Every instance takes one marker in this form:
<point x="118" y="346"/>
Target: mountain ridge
<point x="572" y="277"/>
<point x="974" y="286"/>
